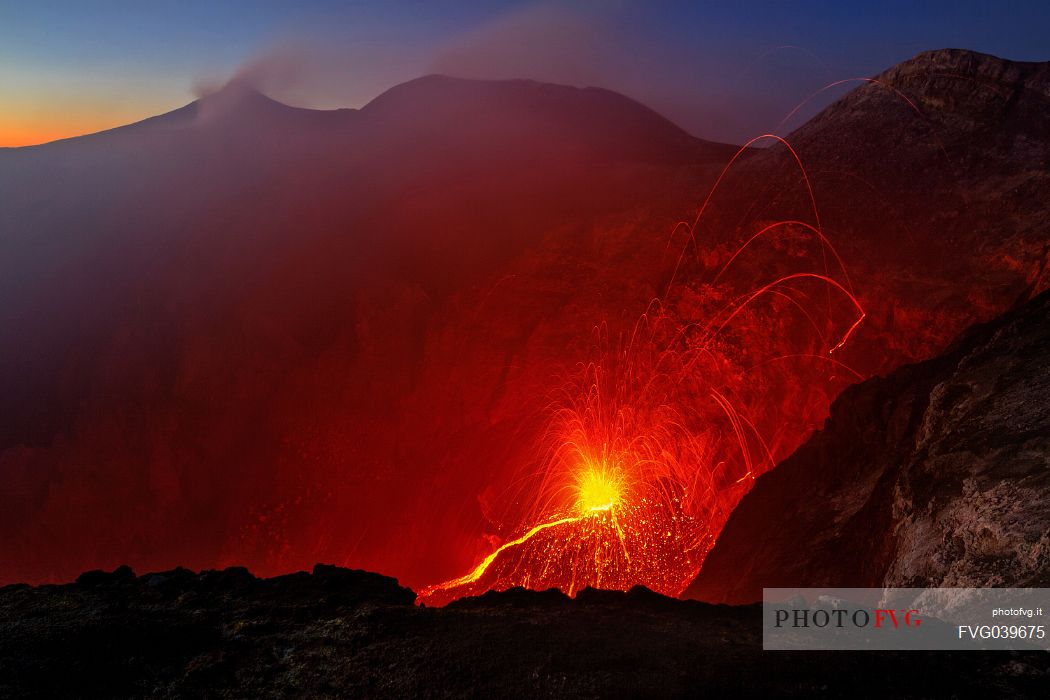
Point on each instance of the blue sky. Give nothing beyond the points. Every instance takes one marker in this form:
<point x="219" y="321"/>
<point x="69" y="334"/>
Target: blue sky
<point x="721" y="69"/>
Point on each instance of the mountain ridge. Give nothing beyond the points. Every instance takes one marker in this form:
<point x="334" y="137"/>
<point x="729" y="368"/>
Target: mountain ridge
<point x="239" y="99"/>
<point x="995" y="70"/>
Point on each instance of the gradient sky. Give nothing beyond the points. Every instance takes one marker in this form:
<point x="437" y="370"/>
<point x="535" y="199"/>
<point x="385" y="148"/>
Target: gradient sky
<point x="722" y="70"/>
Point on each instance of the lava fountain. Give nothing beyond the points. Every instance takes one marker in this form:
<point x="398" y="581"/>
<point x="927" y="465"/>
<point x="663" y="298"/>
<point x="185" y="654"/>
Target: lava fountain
<point x="651" y="442"/>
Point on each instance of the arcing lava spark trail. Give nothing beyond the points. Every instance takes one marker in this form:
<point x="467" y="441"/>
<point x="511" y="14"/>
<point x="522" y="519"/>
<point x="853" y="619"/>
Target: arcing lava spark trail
<point x="656" y="438"/>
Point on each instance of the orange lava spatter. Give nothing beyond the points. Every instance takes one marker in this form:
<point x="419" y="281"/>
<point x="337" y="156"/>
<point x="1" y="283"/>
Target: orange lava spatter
<point x="657" y="436"/>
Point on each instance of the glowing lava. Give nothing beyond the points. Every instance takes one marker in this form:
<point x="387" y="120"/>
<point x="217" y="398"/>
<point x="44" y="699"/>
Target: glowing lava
<point x="654" y="440"/>
<point x="478" y="572"/>
<point x="599" y="488"/>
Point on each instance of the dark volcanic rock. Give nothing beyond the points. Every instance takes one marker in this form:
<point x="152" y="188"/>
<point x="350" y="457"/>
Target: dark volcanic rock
<point x="937" y="475"/>
<point x="337" y="633"/>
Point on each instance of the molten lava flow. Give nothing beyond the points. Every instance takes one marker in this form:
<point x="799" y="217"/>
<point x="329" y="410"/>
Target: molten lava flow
<point x="483" y="566"/>
<point x="613" y="536"/>
<point x="599" y="491"/>
<point x="652" y="442"/>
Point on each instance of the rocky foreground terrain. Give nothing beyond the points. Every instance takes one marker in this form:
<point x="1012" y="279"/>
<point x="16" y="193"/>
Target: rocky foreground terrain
<point x="338" y="632"/>
<point x="936" y="475"/>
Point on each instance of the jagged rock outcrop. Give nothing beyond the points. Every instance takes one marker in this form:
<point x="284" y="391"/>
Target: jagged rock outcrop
<point x="936" y="475"/>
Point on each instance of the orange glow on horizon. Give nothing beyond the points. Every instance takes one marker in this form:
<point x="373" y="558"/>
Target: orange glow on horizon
<point x="15" y="132"/>
<point x="29" y="119"/>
